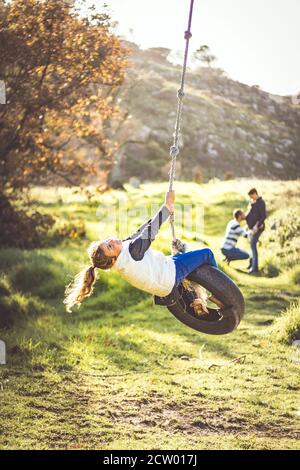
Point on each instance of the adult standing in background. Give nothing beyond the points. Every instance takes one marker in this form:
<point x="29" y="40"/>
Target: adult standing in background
<point x="255" y="218"/>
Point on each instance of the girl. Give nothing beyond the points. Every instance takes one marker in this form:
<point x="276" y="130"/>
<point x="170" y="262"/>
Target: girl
<point x="134" y="260"/>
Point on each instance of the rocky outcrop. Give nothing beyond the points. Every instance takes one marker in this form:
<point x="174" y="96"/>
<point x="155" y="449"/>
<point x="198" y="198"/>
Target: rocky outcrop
<point x="227" y="126"/>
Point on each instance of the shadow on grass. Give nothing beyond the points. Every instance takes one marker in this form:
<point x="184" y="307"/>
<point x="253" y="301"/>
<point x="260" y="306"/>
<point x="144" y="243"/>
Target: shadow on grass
<point x="159" y="322"/>
<point x="135" y="334"/>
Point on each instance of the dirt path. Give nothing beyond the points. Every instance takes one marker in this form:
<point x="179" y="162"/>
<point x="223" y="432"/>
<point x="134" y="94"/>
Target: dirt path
<point x="73" y="410"/>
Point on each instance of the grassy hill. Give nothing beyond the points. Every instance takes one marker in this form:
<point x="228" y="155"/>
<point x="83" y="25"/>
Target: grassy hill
<point x="228" y="127"/>
<point x="121" y="373"/>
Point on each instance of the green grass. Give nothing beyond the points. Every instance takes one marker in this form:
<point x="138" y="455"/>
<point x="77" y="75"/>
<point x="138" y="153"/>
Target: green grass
<point x="287" y="327"/>
<point x="295" y="275"/>
<point x="120" y="373"/>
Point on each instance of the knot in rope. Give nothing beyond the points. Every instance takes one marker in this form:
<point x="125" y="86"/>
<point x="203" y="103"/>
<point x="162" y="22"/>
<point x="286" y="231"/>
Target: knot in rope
<point x="187" y="35"/>
<point x="178" y="246"/>
<point x="180" y="93"/>
<point x="174" y="151"/>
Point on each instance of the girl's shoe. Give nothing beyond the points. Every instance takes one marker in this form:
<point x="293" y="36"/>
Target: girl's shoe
<point x="199" y="307"/>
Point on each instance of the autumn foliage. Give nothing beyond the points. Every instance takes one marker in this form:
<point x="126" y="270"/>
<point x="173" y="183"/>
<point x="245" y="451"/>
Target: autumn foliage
<point x="60" y="69"/>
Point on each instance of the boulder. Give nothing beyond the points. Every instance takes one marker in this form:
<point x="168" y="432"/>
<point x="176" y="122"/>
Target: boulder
<point x="143" y="133"/>
<point x="286" y="142"/>
<point x="261" y="157"/>
<point x="134" y="182"/>
<point x="278" y="165"/>
<point x="211" y="151"/>
<point x="240" y="133"/>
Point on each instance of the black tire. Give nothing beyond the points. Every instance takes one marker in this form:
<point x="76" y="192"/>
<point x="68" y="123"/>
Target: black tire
<point x="219" y="321"/>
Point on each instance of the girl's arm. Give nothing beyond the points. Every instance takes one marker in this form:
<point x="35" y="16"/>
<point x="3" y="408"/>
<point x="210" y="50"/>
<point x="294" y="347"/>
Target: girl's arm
<point x="147" y="234"/>
<point x="169" y="203"/>
<point x="138" y="231"/>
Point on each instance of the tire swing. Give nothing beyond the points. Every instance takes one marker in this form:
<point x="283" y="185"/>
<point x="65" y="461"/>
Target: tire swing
<point x="224" y="292"/>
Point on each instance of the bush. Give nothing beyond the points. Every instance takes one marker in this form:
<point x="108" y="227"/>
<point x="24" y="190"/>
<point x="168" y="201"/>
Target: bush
<point x="286" y="329"/>
<point x="295" y="275"/>
<point x="282" y="238"/>
<point x="198" y="175"/>
<point x="270" y="269"/>
<point x="288" y="231"/>
<point x="22" y="230"/>
<point x="229" y="175"/>
<point x="72" y="229"/>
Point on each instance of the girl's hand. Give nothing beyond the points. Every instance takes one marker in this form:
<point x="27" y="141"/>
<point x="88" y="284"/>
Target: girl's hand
<point x="170" y="198"/>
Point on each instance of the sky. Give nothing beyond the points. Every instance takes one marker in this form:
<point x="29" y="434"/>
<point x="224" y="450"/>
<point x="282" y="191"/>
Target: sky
<point x="256" y="41"/>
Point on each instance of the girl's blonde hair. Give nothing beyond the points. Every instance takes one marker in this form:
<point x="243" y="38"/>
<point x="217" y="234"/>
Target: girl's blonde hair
<point x="83" y="283"/>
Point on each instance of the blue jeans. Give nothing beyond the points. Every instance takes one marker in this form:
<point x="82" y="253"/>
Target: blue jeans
<point x="254" y="257"/>
<point x="235" y="253"/>
<point x="185" y="263"/>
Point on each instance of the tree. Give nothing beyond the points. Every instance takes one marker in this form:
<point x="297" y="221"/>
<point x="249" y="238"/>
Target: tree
<point x="60" y="70"/>
<point x="204" y="55"/>
<point x="52" y="62"/>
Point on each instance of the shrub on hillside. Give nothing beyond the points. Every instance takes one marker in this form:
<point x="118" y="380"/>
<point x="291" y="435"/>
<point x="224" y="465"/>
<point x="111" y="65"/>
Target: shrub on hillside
<point x="270" y="269"/>
<point x="27" y="231"/>
<point x="198" y="176"/>
<point x="286" y="329"/>
<point x="288" y="228"/>
<point x="282" y="239"/>
<point x="229" y="175"/>
<point x="20" y="230"/>
<point x="72" y="229"/>
<point x="295" y="275"/>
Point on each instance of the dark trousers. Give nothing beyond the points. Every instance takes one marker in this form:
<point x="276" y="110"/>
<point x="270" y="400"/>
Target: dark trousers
<point x="235" y="254"/>
<point x="254" y="255"/>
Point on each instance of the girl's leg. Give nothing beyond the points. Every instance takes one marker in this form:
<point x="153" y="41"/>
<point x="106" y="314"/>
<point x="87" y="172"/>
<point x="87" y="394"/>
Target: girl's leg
<point x="186" y="262"/>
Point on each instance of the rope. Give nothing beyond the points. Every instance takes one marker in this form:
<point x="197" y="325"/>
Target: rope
<point x="174" y="149"/>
